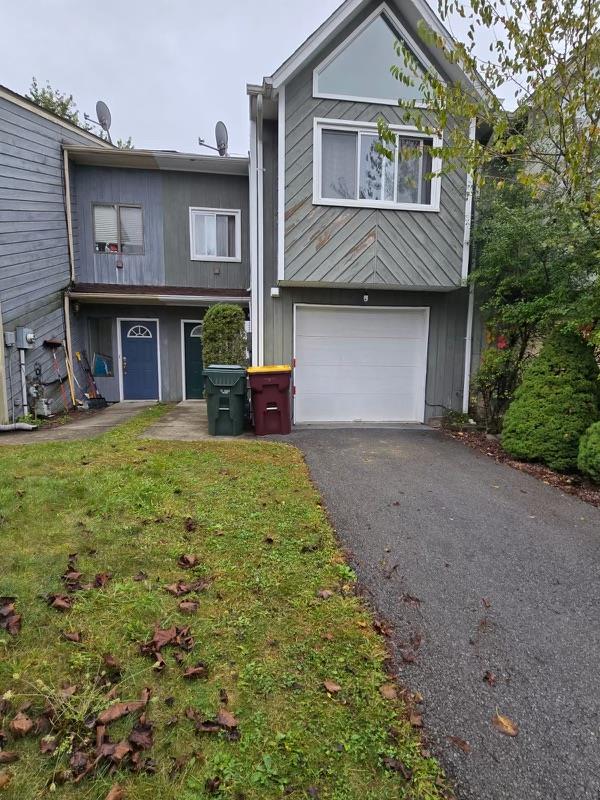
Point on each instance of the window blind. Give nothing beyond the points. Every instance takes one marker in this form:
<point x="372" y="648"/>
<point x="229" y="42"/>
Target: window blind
<point x="105" y="226"/>
<point x="132" y="233"/>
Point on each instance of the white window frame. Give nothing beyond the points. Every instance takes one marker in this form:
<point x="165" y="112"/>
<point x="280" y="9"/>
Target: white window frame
<point x="394" y="22"/>
<point x="235" y="212"/>
<point x="321" y="124"/>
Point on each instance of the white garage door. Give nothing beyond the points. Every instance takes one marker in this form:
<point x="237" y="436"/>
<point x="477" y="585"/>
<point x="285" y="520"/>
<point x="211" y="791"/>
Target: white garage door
<point x="360" y="364"/>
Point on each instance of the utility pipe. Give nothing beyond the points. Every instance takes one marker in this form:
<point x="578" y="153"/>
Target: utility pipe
<point x="468" y="349"/>
<point x="17" y="426"/>
<point x="23" y="382"/>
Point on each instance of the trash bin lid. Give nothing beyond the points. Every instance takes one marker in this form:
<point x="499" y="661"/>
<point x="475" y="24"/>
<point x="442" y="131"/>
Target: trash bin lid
<point x="226" y="367"/>
<point x="270" y="368"/>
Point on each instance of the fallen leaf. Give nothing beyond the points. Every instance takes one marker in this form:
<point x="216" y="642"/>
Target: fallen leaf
<point x="188" y="606"/>
<point x="396" y="765"/>
<point x="324" y="594"/>
<point x="486" y="603"/>
<point x="212" y="785"/>
<point x="8" y="756"/>
<point x="198" y="671"/>
<point x="61" y="602"/>
<point x="416" y="720"/>
<point x="460" y="743"/>
<point x="142" y="736"/>
<point x="79" y="762"/>
<point x="9" y="619"/>
<point x="332" y="687"/>
<point x="141" y="576"/>
<point x="72" y="636"/>
<point x="226" y="719"/>
<point x="111" y="662"/>
<point x="381" y="628"/>
<point x="21" y="724"/>
<point x="122" y="749"/>
<point x="410" y="599"/>
<point x="489" y="677"/>
<point x="101" y="579"/>
<point x="118" y="710"/>
<point x="188" y="561"/>
<point x="48" y="744"/>
<point x="408" y="657"/>
<point x="505" y="725"/>
<point x="190" y="524"/>
<point x="67" y="691"/>
<point x="5" y="778"/>
<point x="116" y="793"/>
<point x="388" y="691"/>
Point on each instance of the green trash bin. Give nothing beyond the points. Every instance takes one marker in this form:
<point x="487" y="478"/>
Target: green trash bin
<point x="225" y="388"/>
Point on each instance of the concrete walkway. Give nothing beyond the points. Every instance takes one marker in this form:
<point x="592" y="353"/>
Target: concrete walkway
<point x="187" y="422"/>
<point x="85" y="427"/>
<point x="490" y="579"/>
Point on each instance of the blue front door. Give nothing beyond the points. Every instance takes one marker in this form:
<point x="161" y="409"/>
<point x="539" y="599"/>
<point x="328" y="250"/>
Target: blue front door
<point x="139" y="363"/>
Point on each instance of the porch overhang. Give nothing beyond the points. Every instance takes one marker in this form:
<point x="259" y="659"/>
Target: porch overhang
<point x="155" y="295"/>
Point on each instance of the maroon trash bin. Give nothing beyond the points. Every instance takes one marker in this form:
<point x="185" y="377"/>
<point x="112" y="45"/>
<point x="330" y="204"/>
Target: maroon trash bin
<point x="270" y="387"/>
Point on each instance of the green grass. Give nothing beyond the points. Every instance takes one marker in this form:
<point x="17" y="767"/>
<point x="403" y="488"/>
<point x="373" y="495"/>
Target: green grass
<point x="268" y="639"/>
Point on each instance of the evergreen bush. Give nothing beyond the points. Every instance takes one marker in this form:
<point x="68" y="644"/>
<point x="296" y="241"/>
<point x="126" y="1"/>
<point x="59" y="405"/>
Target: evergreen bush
<point x="588" y="459"/>
<point x="224" y="335"/>
<point x="555" y="403"/>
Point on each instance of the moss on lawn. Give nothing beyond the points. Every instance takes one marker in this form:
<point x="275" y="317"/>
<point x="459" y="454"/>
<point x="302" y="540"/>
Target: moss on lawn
<point x="123" y="504"/>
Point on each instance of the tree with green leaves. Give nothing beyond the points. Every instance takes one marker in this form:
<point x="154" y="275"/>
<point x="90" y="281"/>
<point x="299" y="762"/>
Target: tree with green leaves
<point x="63" y="105"/>
<point x="224" y="335"/>
<point x="545" y="54"/>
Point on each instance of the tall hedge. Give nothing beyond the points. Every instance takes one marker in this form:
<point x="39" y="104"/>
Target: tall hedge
<point x="588" y="459"/>
<point x="555" y="403"/>
<point x="224" y="335"/>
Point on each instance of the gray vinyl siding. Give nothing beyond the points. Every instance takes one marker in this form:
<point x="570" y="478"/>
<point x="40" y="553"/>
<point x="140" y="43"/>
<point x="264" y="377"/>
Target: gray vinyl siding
<point x="169" y="324"/>
<point x="34" y="257"/>
<point x="182" y="191"/>
<point x="447" y="321"/>
<point x="110" y="185"/>
<point x="334" y="245"/>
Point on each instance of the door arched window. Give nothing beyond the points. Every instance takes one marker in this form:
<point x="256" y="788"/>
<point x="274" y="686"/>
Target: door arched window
<point x="139" y="332"/>
<point x="196" y="332"/>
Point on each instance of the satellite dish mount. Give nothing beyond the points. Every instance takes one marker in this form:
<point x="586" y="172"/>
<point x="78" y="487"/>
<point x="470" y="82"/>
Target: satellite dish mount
<point x="221" y="138"/>
<point x="103" y="118"/>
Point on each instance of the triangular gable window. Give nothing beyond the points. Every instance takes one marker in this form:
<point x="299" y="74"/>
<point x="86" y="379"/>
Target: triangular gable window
<point x="360" y="68"/>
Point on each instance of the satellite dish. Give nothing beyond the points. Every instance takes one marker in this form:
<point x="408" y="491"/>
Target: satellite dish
<point x="221" y="137"/>
<point x="103" y="115"/>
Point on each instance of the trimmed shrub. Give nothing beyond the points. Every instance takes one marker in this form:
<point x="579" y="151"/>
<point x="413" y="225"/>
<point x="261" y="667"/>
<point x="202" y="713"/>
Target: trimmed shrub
<point x="495" y="383"/>
<point x="224" y="335"/>
<point x="555" y="403"/>
<point x="588" y="460"/>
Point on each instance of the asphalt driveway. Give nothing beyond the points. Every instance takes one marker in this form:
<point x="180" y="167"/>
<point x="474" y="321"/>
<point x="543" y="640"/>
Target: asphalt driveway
<point x="494" y="572"/>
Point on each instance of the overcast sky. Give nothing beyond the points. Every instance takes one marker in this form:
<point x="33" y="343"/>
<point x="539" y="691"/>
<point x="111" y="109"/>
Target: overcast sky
<point x="168" y="69"/>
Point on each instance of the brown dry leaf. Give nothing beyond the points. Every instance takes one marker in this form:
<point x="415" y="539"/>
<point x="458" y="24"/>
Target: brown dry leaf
<point x="72" y="636"/>
<point x="396" y="765"/>
<point x="332" y="687"/>
<point x="188" y="606"/>
<point x="410" y="599"/>
<point x="142" y="735"/>
<point x="141" y="576"/>
<point x="8" y="756"/>
<point x="416" y="719"/>
<point x="381" y="628"/>
<point x="67" y="691"/>
<point x="489" y="677"/>
<point x="460" y="743"/>
<point x="101" y="579"/>
<point x="388" y="691"/>
<point x="226" y="719"/>
<point x="116" y="793"/>
<point x="48" y="744"/>
<point x="325" y="594"/>
<point x="122" y="749"/>
<point x="118" y="710"/>
<point x="190" y="524"/>
<point x="21" y="724"/>
<point x="9" y="619"/>
<point x="200" y="670"/>
<point x="111" y="662"/>
<point x="187" y="561"/>
<point x="61" y="602"/>
<point x="5" y="778"/>
<point x="505" y="725"/>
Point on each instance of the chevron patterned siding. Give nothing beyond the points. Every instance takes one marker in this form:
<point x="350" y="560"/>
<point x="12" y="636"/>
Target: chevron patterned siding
<point x="336" y="246"/>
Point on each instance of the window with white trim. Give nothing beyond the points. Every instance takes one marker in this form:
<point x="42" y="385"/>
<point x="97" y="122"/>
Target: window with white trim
<point x="118" y="228"/>
<point x="215" y="234"/>
<point x="350" y="172"/>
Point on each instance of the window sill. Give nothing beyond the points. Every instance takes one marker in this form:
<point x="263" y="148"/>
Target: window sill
<point x="325" y="201"/>
<point x="217" y="259"/>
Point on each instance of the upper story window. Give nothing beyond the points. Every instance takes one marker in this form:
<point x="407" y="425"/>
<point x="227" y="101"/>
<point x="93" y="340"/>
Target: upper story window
<point x="359" y="69"/>
<point x="215" y="234"/>
<point x="118" y="229"/>
<point x="350" y="172"/>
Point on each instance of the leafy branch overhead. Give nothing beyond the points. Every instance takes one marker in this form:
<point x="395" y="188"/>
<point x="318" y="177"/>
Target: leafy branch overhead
<point x="64" y="105"/>
<point x="545" y="55"/>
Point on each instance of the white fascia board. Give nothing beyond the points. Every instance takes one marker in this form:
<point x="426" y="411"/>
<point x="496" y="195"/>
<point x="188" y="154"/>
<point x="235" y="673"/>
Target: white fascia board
<point x="468" y="213"/>
<point x="281" y="185"/>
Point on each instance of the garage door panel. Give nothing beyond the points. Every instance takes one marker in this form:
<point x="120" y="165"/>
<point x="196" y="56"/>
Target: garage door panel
<point x="360" y="364"/>
<point x="322" y="350"/>
<point x="345" y="407"/>
<point x="372" y="323"/>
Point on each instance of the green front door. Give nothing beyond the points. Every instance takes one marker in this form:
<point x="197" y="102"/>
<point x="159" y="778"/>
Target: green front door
<point x="192" y="342"/>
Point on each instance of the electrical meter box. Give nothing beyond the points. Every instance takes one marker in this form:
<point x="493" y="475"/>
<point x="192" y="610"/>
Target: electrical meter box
<point x="25" y="338"/>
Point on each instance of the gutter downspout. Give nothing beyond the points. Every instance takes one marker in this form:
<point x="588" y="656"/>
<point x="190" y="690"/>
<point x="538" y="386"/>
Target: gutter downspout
<point x="468" y="349"/>
<point x="68" y="214"/>
<point x="253" y="239"/>
<point x="3" y="387"/>
<point x="260" y="228"/>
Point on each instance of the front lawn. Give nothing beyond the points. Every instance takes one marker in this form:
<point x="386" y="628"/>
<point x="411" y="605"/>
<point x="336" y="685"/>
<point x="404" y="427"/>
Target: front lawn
<point x="288" y="695"/>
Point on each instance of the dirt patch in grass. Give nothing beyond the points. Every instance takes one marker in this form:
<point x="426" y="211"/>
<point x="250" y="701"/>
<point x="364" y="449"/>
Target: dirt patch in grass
<point x="569" y="484"/>
<point x="188" y="629"/>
